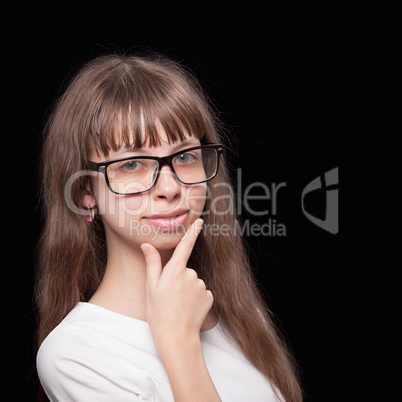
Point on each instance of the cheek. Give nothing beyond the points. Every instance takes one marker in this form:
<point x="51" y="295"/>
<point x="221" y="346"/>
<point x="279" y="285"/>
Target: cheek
<point x="117" y="210"/>
<point x="196" y="197"/>
<point x="125" y="208"/>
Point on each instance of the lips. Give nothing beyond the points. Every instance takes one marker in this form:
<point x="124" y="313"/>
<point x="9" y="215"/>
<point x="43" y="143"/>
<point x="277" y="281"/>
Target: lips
<point x="170" y="220"/>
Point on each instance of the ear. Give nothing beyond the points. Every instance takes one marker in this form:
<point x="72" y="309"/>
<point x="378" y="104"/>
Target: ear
<point x="88" y="201"/>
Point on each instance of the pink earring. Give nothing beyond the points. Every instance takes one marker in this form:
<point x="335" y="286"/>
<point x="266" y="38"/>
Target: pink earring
<point x="91" y="214"/>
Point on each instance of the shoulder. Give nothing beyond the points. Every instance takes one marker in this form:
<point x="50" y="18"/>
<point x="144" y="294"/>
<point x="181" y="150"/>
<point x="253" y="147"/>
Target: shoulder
<point x="64" y="343"/>
<point x="73" y="364"/>
<point x="64" y="356"/>
<point x="61" y="345"/>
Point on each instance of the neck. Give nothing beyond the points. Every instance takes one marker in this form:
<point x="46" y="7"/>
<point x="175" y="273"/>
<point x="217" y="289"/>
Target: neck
<point x="122" y="289"/>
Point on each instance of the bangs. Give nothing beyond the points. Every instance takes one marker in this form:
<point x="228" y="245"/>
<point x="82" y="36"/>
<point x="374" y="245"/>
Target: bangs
<point x="135" y="99"/>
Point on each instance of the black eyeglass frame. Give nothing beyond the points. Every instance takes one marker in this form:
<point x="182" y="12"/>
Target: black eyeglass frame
<point x="101" y="167"/>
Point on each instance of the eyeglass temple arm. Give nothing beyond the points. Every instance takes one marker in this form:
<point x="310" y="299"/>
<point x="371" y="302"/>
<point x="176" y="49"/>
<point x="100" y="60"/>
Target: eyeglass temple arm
<point x="93" y="166"/>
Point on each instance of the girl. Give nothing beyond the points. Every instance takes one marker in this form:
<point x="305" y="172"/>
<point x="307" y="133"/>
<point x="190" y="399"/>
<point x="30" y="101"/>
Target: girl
<point x="138" y="299"/>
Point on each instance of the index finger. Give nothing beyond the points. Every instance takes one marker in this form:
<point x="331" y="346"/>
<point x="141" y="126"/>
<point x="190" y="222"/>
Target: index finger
<point x="185" y="247"/>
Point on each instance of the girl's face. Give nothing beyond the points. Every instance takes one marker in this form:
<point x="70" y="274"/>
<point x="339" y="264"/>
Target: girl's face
<point x="159" y="216"/>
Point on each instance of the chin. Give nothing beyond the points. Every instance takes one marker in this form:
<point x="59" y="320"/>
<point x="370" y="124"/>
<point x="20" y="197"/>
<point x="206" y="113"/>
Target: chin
<point x="166" y="242"/>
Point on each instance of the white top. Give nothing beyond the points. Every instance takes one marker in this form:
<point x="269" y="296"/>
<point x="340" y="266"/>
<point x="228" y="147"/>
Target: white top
<point x="97" y="355"/>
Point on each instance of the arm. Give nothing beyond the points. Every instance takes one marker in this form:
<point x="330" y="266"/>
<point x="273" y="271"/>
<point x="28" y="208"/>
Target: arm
<point x="177" y="303"/>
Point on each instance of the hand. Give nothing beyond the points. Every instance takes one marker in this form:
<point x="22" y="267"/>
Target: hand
<point x="177" y="301"/>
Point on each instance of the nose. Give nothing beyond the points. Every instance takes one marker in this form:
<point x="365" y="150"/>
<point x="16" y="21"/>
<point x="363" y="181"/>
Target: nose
<point x="167" y="186"/>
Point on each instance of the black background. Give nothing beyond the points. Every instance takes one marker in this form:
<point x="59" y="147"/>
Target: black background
<point x="281" y="92"/>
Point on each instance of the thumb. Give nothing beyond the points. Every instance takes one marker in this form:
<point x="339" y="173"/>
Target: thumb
<point x="154" y="263"/>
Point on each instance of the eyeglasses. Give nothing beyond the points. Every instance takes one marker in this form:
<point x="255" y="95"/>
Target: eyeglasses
<point x="136" y="175"/>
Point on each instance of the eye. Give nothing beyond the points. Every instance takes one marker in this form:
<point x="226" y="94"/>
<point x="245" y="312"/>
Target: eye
<point x="185" y="158"/>
<point x="131" y="166"/>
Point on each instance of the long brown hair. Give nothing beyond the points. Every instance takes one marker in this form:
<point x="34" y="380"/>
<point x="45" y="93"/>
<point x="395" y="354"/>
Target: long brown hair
<point x="97" y="111"/>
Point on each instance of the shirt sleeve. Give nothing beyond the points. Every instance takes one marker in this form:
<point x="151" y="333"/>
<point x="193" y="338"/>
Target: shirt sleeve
<point x="71" y="368"/>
